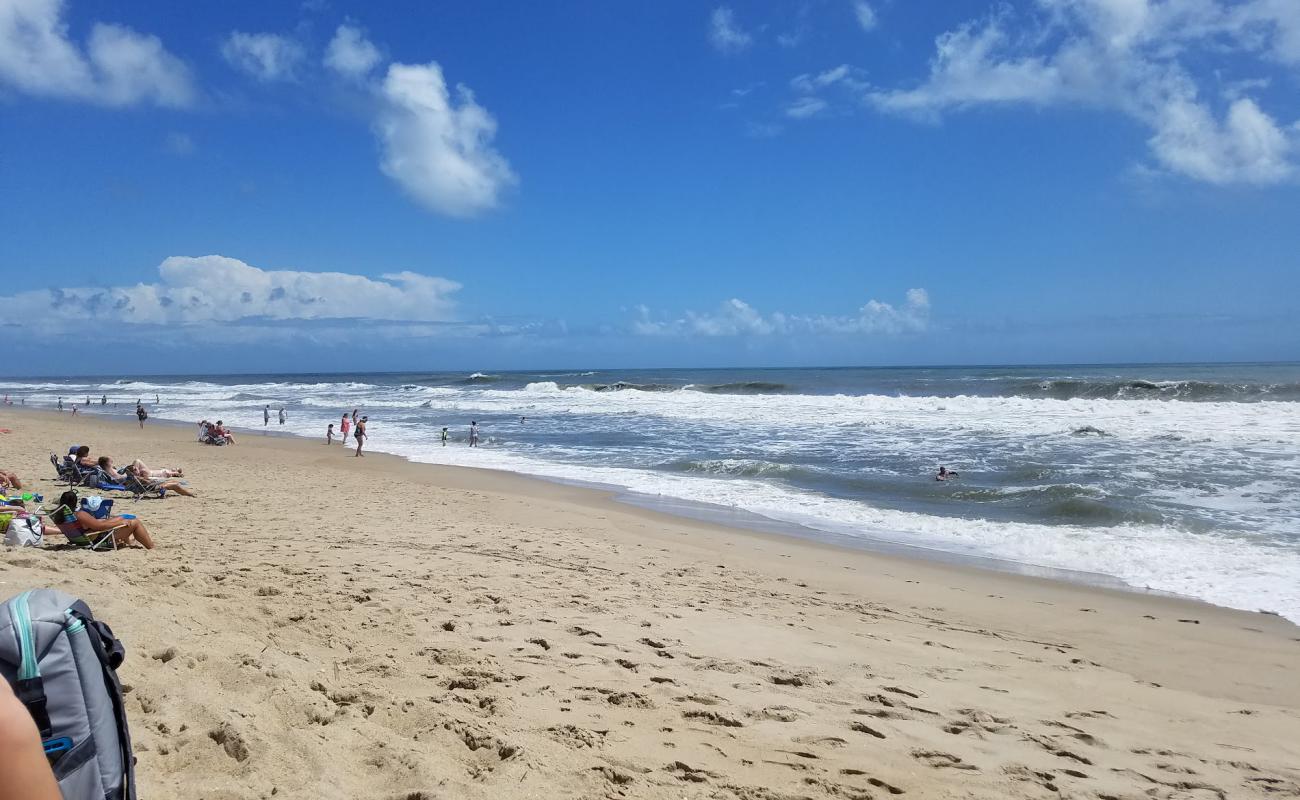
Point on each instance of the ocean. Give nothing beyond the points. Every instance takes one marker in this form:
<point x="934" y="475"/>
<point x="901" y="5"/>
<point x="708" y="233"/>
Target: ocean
<point x="1176" y="478"/>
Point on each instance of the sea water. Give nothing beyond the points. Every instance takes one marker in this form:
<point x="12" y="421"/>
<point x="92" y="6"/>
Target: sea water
<point x="1176" y="478"/>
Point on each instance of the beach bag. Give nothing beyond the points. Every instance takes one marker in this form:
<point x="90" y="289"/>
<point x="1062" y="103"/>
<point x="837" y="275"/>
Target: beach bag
<point x="25" y="532"/>
<point x="62" y="664"/>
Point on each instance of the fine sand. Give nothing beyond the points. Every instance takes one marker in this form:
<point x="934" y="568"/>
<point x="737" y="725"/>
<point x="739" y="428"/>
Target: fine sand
<point x="319" y="626"/>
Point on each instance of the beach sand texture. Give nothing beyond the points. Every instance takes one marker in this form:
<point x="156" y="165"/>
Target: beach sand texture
<point x="319" y="626"/>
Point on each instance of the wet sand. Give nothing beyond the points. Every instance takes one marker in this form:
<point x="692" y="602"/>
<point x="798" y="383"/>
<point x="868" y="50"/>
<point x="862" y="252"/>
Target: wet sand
<point x="315" y="625"/>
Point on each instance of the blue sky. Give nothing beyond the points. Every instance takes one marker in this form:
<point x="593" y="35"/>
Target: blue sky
<point x="226" y="186"/>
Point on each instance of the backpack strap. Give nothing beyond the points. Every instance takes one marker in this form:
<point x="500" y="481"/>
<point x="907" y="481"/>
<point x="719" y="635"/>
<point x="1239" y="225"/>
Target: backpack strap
<point x="111" y="652"/>
<point x="29" y="688"/>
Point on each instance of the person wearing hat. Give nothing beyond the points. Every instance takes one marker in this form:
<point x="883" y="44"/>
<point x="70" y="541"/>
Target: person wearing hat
<point x="360" y="435"/>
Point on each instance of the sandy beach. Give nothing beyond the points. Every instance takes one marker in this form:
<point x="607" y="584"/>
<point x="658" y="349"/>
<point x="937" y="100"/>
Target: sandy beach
<point x="319" y="626"/>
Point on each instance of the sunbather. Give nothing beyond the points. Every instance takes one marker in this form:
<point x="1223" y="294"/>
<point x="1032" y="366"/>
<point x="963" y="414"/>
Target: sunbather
<point x="144" y="471"/>
<point x="79" y="521"/>
<point x="168" y="484"/>
<point x="9" y="480"/>
<point x="83" y="458"/>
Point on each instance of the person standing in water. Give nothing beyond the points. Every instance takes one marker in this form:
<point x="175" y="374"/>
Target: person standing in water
<point x="360" y="435"/>
<point x="60" y="403"/>
<point x="354" y="418"/>
<point x="344" y="426"/>
<point x="282" y="416"/>
<point x="266" y="415"/>
<point x="103" y="399"/>
<point x="473" y="434"/>
<point x="444" y="437"/>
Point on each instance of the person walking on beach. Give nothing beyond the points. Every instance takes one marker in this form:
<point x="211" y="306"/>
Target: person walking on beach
<point x="266" y="415"/>
<point x="344" y="426"/>
<point x="444" y="437"/>
<point x="141" y="414"/>
<point x="282" y="417"/>
<point x="329" y="434"/>
<point x="473" y="434"/>
<point x="360" y="435"/>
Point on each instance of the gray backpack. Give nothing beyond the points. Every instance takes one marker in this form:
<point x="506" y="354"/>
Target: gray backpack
<point x="61" y="662"/>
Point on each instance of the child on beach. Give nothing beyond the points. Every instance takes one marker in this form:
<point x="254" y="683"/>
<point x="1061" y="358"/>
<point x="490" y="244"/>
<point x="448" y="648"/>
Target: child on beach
<point x="329" y="434"/>
<point x="345" y="426"/>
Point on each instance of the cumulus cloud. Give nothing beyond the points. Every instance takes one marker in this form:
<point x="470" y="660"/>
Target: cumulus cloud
<point x="350" y="53"/>
<point x="268" y="57"/>
<point x="725" y="33"/>
<point x="217" y="289"/>
<point x="865" y="15"/>
<point x="118" y="67"/>
<point x="1129" y="56"/>
<point x="439" y="148"/>
<point x="737" y="318"/>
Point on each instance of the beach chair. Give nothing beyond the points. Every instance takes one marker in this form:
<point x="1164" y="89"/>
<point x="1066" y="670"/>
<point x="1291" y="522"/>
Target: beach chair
<point x="65" y="468"/>
<point x="78" y="538"/>
<point x="140" y="487"/>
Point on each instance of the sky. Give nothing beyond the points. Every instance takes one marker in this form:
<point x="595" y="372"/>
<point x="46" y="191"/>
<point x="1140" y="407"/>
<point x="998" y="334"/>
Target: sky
<point x="331" y="186"/>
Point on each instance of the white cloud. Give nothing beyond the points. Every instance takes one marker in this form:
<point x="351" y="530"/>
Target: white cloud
<point x="805" y="107"/>
<point x="865" y="15"/>
<point x="1129" y="56"/>
<point x="268" y="57"/>
<point x="737" y="318"/>
<point x="119" y="67"/>
<point x="217" y="289"/>
<point x="1247" y="147"/>
<point x="437" y="148"/>
<point x="725" y="34"/>
<point x="350" y="53"/>
<point x="844" y="74"/>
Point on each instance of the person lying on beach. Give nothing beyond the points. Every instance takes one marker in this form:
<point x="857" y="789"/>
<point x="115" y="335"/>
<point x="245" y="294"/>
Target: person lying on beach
<point x="78" y="520"/>
<point x="168" y="484"/>
<point x="9" y="480"/>
<point x="154" y="474"/>
<point x="944" y="474"/>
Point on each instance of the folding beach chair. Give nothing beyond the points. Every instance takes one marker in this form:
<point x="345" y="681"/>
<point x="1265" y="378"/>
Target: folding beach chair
<point x="64" y="519"/>
<point x="139" y="487"/>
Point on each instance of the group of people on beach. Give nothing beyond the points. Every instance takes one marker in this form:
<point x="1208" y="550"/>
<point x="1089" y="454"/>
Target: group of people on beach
<point x="161" y="479"/>
<point x="350" y="425"/>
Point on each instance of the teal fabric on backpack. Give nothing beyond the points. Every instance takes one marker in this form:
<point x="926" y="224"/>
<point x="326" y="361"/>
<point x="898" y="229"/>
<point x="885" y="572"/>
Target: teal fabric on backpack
<point x="62" y="664"/>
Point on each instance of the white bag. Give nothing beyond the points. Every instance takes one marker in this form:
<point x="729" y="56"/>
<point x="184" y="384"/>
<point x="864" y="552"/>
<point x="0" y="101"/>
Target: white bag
<point x="25" y="532"/>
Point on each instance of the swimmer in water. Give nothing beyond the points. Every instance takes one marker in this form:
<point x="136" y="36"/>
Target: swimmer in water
<point x="944" y="474"/>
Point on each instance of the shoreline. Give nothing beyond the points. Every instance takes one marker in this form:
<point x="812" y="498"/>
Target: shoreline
<point x="314" y="625"/>
<point x="737" y="519"/>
